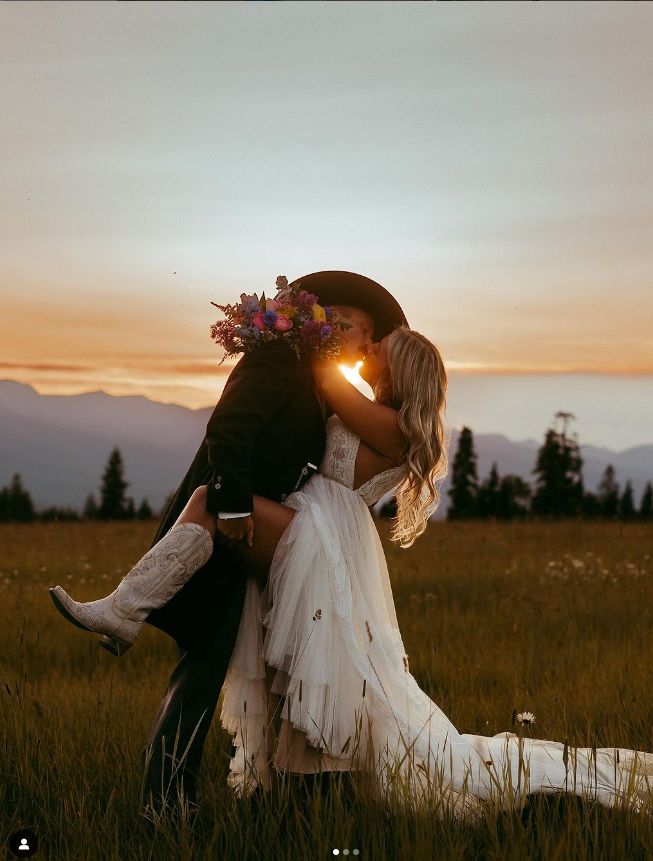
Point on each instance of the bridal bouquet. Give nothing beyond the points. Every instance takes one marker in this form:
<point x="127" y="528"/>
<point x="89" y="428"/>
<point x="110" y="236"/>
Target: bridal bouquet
<point x="294" y="315"/>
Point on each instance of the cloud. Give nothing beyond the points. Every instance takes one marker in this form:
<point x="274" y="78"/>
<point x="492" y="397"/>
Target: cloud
<point x="44" y="366"/>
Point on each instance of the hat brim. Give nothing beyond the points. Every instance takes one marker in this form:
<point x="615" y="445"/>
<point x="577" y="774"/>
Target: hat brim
<point x="337" y="287"/>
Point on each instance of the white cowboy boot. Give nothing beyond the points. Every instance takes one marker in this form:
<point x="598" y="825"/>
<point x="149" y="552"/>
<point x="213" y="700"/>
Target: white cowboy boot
<point x="151" y="583"/>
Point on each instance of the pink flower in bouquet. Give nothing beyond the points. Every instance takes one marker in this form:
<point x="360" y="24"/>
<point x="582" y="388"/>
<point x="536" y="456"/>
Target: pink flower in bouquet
<point x="282" y="323"/>
<point x="258" y="321"/>
<point x="271" y="305"/>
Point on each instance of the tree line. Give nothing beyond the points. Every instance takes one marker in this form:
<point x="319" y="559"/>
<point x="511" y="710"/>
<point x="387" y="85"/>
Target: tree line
<point x="558" y="489"/>
<point x="113" y="504"/>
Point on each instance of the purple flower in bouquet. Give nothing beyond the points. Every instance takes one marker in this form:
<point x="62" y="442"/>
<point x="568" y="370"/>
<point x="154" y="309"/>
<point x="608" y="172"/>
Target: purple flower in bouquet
<point x="311" y="334"/>
<point x="294" y="315"/>
<point x="305" y="301"/>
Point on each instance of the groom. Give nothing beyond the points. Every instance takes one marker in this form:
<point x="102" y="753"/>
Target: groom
<point x="265" y="435"/>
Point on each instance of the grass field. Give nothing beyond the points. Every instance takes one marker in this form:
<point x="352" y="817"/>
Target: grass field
<point x="550" y="618"/>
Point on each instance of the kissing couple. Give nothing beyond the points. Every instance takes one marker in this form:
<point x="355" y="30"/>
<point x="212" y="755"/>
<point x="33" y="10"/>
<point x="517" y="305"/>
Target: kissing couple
<point x="268" y="571"/>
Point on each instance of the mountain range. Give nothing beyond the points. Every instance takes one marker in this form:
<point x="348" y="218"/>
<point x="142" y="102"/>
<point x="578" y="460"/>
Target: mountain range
<point x="59" y="444"/>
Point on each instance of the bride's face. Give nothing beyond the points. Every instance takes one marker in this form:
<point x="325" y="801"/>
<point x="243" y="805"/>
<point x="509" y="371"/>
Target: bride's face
<point x="376" y="361"/>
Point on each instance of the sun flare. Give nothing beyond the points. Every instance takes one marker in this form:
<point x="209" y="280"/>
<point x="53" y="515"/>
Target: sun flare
<point x="352" y="373"/>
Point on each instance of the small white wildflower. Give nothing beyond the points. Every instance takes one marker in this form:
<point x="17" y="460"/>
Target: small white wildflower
<point x="525" y="718"/>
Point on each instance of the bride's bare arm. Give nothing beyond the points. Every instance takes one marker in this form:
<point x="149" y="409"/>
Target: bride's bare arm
<point x="376" y="424"/>
<point x="270" y="522"/>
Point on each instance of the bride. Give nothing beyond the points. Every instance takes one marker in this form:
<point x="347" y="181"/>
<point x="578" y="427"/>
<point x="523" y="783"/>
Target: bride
<point x="321" y="640"/>
<point x="319" y="678"/>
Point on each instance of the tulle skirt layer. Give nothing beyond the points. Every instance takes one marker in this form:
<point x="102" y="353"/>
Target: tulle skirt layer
<point x="326" y="627"/>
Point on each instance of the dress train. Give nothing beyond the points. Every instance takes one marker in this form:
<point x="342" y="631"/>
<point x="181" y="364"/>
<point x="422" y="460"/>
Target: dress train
<point x="326" y="625"/>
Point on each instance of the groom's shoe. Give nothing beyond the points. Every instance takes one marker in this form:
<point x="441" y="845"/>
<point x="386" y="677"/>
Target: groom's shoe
<point x="152" y="582"/>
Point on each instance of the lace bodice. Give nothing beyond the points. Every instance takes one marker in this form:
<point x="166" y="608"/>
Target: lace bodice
<point x="339" y="462"/>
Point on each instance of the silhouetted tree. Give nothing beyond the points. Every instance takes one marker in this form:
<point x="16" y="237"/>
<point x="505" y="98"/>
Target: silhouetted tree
<point x="113" y="504"/>
<point x="608" y="493"/>
<point x="513" y="498"/>
<point x="464" y="480"/>
<point x="90" y="511"/>
<point x="15" y="502"/>
<point x="55" y="514"/>
<point x="627" y="503"/>
<point x="130" y="510"/>
<point x="646" y="504"/>
<point x="389" y="508"/>
<point x="559" y="482"/>
<point x="144" y="511"/>
<point x="591" y="505"/>
<point x="487" y="500"/>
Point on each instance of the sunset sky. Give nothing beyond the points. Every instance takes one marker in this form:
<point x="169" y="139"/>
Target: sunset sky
<point x="489" y="163"/>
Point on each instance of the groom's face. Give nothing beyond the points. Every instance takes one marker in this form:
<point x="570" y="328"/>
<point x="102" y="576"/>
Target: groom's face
<point x="358" y="337"/>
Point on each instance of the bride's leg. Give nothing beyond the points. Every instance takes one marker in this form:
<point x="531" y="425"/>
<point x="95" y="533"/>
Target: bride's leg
<point x="271" y="519"/>
<point x="270" y="522"/>
<point x="151" y="583"/>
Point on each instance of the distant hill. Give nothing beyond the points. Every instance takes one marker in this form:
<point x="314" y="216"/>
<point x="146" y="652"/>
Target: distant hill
<point x="60" y="444"/>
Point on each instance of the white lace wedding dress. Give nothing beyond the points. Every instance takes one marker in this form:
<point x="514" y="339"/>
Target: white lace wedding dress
<point x="326" y="627"/>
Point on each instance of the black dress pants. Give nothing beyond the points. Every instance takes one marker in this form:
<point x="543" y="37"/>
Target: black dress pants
<point x="172" y="756"/>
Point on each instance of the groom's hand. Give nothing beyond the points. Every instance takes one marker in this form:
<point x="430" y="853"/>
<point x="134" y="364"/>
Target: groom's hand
<point x="236" y="529"/>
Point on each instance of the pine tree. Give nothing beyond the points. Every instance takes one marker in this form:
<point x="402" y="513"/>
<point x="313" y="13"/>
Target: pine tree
<point x="627" y="503"/>
<point x="646" y="504"/>
<point x="488" y="494"/>
<point x="608" y="493"/>
<point x="130" y="510"/>
<point x="19" y="503"/>
<point x="113" y="504"/>
<point x="144" y="511"/>
<point x="90" y="511"/>
<point x="591" y="505"/>
<point x="58" y="515"/>
<point x="559" y="482"/>
<point x="513" y="498"/>
<point x="464" y="480"/>
<point x="389" y="509"/>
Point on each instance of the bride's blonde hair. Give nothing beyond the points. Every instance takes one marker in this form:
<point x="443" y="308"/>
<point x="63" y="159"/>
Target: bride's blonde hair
<point x="415" y="384"/>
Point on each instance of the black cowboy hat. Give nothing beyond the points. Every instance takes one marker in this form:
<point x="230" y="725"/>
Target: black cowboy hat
<point x="335" y="287"/>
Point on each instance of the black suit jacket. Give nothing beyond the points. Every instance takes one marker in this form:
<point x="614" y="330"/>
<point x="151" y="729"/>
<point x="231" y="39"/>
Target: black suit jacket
<point x="267" y="426"/>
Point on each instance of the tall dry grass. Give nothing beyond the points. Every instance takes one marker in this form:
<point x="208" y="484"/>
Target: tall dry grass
<point x="553" y="618"/>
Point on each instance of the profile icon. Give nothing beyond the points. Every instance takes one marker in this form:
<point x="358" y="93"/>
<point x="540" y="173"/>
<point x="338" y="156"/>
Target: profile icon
<point x="23" y="843"/>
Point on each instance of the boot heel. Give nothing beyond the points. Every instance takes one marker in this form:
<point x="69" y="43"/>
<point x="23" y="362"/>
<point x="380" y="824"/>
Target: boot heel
<point x="114" y="645"/>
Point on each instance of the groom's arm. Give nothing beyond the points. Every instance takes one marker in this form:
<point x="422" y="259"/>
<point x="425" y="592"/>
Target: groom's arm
<point x="259" y="386"/>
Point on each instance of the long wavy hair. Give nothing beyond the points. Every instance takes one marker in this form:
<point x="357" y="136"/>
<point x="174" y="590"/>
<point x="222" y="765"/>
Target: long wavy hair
<point x="415" y="384"/>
